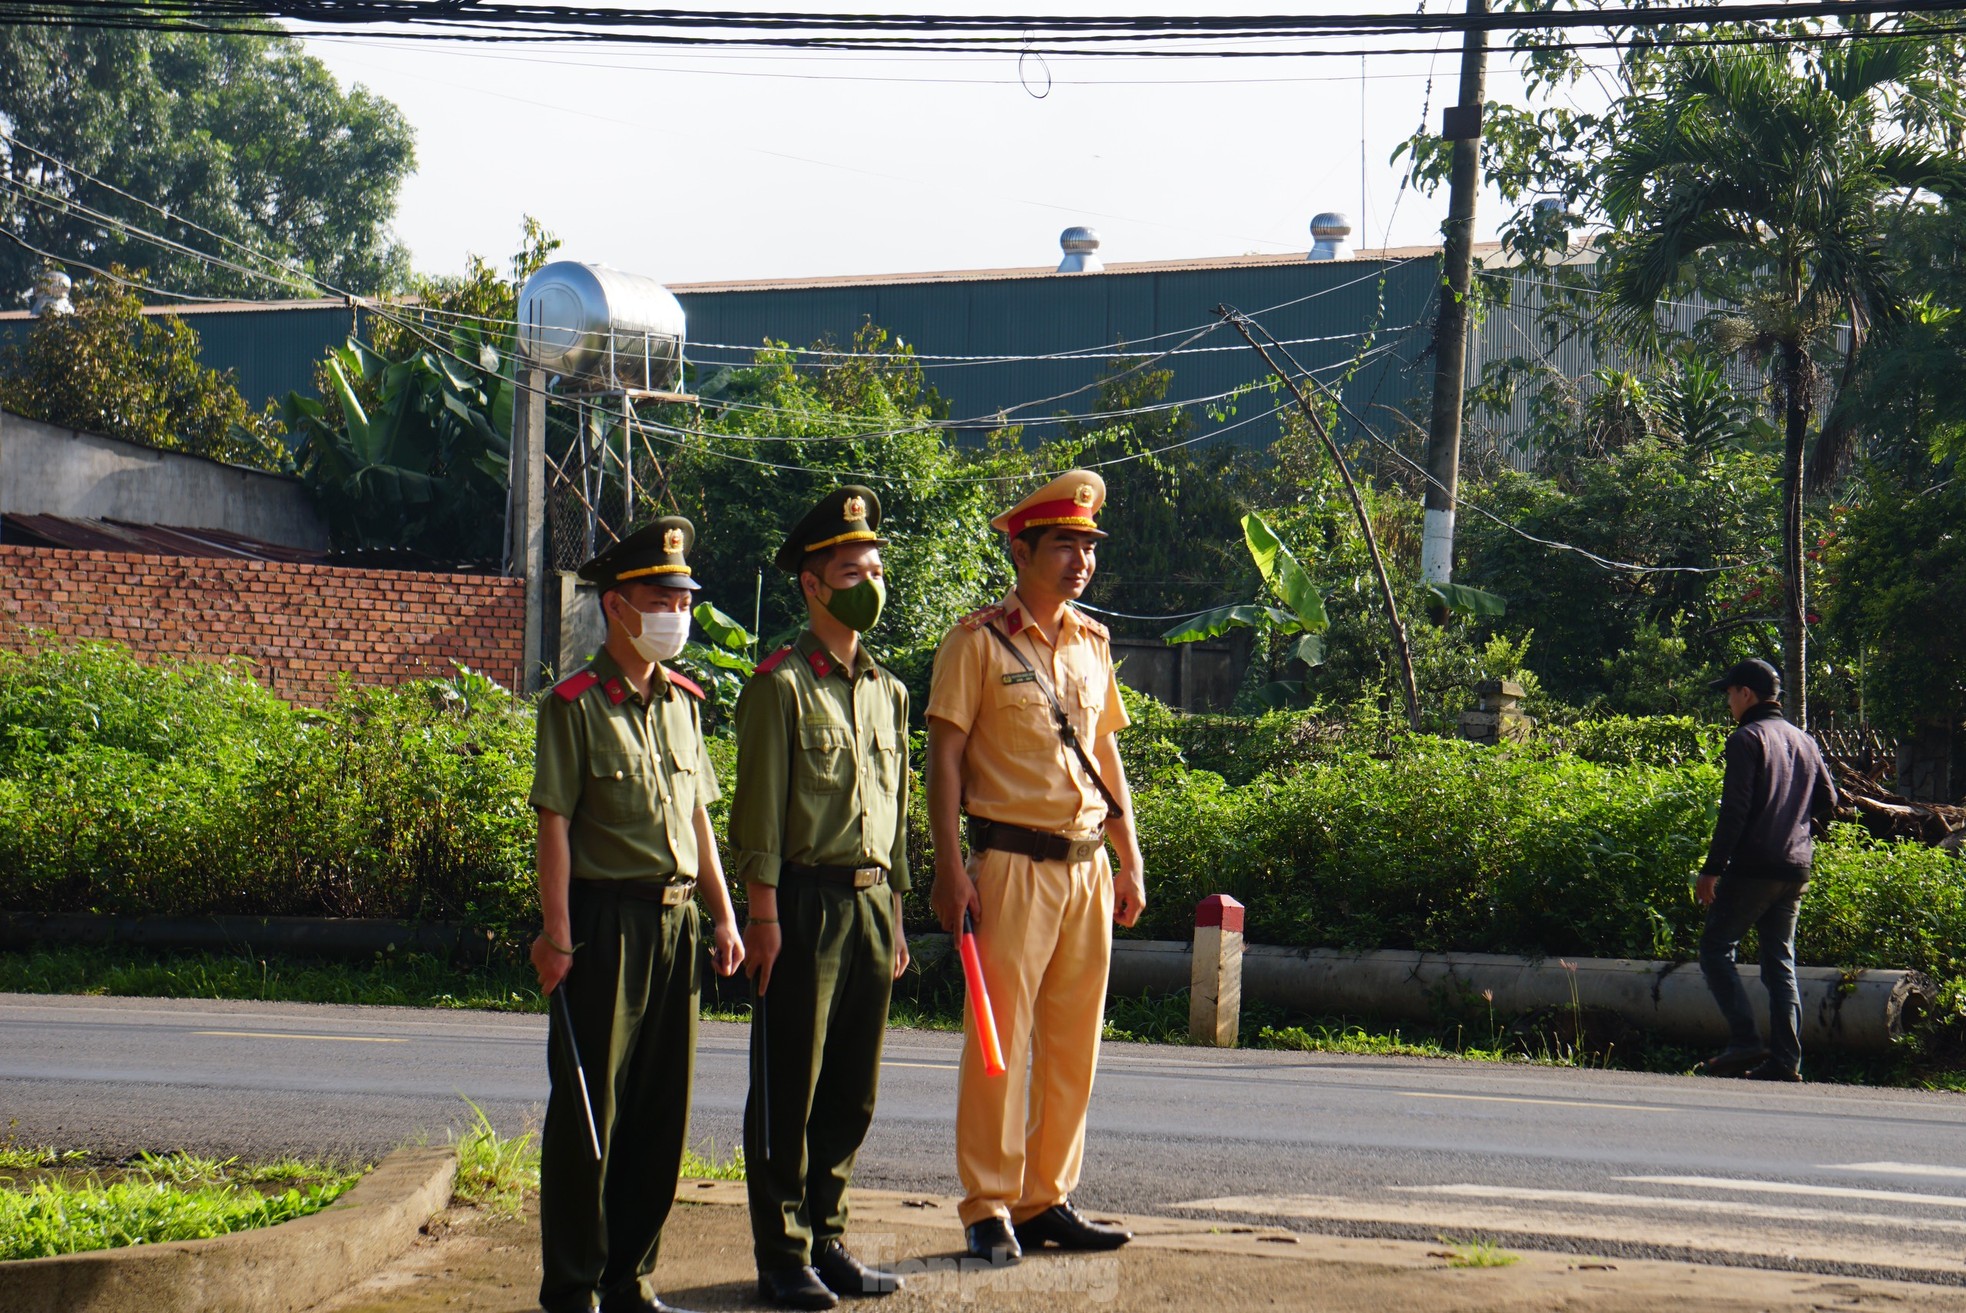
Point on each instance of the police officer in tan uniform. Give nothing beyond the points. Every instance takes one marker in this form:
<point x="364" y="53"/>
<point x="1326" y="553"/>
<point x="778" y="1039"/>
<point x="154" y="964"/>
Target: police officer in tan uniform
<point x="621" y="784"/>
<point x="819" y="832"/>
<point x="1022" y="713"/>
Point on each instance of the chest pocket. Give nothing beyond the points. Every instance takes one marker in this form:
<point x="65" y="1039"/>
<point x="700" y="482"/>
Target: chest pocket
<point x="1086" y="705"/>
<point x="620" y="787"/>
<point x="825" y="758"/>
<point x="1025" y="715"/>
<point x="887" y="759"/>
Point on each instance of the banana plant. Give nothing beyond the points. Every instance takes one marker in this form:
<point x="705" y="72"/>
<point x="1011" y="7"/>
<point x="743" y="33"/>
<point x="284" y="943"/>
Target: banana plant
<point x="718" y="662"/>
<point x="1297" y="609"/>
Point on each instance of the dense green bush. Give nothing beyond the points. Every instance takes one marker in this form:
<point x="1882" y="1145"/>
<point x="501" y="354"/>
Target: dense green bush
<point x="188" y="788"/>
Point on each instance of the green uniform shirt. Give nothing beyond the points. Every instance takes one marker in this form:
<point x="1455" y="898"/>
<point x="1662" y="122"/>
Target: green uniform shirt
<point x="629" y="774"/>
<point x="822" y="766"/>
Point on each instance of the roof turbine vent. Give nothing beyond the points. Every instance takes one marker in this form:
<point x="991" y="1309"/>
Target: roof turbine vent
<point x="1331" y="234"/>
<point x="1081" y="248"/>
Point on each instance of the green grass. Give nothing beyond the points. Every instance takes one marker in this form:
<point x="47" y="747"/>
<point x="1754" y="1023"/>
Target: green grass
<point x="1478" y="1252"/>
<point x="496" y="1172"/>
<point x="151" y="1200"/>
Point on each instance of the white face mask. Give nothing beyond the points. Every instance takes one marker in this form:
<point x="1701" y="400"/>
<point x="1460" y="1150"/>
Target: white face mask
<point x="663" y="633"/>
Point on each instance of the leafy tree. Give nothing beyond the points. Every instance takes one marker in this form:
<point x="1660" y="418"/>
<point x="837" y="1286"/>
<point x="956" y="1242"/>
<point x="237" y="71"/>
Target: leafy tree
<point x="1777" y="173"/>
<point x="1899" y="559"/>
<point x="248" y="136"/>
<point x="772" y="437"/>
<point x="1653" y="503"/>
<point x="1173" y="503"/>
<point x="109" y="368"/>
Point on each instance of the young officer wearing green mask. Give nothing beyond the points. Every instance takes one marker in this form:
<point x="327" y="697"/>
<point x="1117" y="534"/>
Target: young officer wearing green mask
<point x="819" y="826"/>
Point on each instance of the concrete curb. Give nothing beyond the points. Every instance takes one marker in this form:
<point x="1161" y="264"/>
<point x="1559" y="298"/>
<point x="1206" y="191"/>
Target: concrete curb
<point x="277" y="1269"/>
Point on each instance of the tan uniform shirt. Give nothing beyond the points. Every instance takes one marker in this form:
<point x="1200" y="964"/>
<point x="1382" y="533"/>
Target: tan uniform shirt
<point x="628" y="774"/>
<point x="822" y="766"/>
<point x="1015" y="767"/>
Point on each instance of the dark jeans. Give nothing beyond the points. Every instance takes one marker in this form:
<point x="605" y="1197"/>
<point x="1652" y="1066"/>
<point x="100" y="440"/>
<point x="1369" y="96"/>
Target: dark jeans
<point x="1770" y="907"/>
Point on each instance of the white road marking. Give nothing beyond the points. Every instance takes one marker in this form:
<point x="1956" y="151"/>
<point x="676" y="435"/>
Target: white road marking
<point x="1797" y="1187"/>
<point x="1555" y="1103"/>
<point x="1897" y="1169"/>
<point x="925" y="1066"/>
<point x="1705" y="1207"/>
<point x="274" y="1034"/>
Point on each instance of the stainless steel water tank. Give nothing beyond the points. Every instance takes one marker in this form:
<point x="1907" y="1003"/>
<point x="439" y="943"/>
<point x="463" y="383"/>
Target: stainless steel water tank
<point x="602" y="328"/>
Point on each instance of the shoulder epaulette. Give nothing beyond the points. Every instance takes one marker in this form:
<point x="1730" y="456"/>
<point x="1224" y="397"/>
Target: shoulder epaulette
<point x="575" y="684"/>
<point x="685" y="683"/>
<point x="1088" y="622"/>
<point x="978" y="619"/>
<point x="772" y="662"/>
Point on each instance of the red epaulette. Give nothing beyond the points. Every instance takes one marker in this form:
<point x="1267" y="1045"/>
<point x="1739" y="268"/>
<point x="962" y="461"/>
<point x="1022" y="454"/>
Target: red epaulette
<point x="685" y="683"/>
<point x="575" y="684"/>
<point x="1087" y="622"/>
<point x="977" y="619"/>
<point x="772" y="662"/>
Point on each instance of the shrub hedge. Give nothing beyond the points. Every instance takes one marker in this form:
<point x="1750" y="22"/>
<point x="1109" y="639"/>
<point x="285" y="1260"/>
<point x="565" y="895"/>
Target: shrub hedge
<point x="138" y="788"/>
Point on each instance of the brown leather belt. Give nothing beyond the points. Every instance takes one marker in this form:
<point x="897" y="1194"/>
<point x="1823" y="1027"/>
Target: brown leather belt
<point x="1044" y="846"/>
<point x="674" y="894"/>
<point x="860" y="877"/>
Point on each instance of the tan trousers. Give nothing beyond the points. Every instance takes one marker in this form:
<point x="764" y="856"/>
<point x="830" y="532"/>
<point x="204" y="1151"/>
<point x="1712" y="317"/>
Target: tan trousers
<point x="1046" y="942"/>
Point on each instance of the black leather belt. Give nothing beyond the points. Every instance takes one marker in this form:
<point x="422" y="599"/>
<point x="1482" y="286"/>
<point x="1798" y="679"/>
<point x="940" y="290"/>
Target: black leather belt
<point x="1045" y="847"/>
<point x="860" y="877"/>
<point x="669" y="895"/>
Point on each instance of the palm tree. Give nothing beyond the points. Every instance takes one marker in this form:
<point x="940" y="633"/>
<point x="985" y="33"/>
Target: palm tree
<point x="1774" y="170"/>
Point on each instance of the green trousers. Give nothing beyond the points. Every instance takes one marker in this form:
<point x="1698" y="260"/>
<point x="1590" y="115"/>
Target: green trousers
<point x="816" y="1058"/>
<point x="632" y="995"/>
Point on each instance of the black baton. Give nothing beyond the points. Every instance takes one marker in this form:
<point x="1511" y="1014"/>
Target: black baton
<point x="760" y="1037"/>
<point x="579" y="1072"/>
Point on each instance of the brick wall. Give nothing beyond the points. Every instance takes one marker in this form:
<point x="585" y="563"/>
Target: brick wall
<point x="301" y="626"/>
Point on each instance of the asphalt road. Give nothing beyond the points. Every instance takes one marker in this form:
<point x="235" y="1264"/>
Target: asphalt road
<point x="1821" y="1177"/>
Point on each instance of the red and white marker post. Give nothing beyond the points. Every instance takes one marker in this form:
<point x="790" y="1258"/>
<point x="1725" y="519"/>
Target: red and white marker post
<point x="1215" y="980"/>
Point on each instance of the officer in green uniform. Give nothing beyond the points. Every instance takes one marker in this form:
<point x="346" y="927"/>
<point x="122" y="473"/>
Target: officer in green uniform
<point x="621" y="784"/>
<point x="819" y="829"/>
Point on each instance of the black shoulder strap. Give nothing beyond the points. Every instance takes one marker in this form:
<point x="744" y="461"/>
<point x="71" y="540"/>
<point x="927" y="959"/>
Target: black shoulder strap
<point x="1062" y="722"/>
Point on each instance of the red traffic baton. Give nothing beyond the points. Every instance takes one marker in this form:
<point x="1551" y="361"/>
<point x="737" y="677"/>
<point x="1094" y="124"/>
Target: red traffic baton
<point x="979" y="999"/>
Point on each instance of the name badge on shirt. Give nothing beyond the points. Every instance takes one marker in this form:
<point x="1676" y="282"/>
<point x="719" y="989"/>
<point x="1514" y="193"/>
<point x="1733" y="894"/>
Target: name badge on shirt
<point x="1022" y="677"/>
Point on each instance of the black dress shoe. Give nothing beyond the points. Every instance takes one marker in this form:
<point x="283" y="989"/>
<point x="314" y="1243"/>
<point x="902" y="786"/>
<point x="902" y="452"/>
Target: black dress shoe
<point x="1062" y="1225"/>
<point x="796" y="1287"/>
<point x="846" y="1275"/>
<point x="992" y="1241"/>
<point x="640" y="1305"/>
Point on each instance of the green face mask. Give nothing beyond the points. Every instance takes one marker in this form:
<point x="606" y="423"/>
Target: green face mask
<point x="859" y="607"/>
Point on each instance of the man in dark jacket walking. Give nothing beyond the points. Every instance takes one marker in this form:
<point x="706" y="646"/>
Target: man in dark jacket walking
<point x="1757" y="868"/>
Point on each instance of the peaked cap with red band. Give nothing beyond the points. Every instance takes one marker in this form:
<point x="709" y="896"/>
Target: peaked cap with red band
<point x="1070" y="501"/>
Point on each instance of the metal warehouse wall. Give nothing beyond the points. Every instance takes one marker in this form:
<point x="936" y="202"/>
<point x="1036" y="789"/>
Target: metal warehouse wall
<point x="1144" y="311"/>
<point x="273" y="346"/>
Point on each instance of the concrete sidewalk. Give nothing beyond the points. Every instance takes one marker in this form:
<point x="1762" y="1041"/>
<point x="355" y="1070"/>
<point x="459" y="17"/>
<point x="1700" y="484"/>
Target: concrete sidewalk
<point x="472" y="1263"/>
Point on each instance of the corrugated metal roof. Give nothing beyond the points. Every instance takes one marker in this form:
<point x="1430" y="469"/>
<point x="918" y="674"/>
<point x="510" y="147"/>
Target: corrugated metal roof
<point x="90" y="535"/>
<point x="1482" y="249"/>
<point x="272" y="346"/>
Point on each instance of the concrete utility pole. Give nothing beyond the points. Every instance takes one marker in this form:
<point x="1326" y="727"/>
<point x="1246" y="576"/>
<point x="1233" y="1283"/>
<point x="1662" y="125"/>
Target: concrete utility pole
<point x="1462" y="126"/>
<point x="526" y="520"/>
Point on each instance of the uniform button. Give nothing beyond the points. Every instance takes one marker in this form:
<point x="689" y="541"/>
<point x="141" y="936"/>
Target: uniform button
<point x="617" y="774"/>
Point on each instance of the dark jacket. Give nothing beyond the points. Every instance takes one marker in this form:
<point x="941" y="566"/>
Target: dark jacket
<point x="1775" y="782"/>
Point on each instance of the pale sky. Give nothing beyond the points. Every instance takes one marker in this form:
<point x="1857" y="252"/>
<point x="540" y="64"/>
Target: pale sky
<point x="689" y="166"/>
